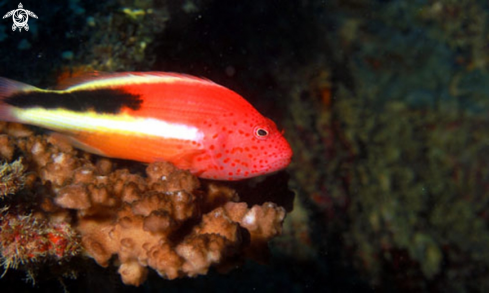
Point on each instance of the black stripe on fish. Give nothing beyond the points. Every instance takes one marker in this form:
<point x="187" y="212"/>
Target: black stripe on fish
<point x="100" y="100"/>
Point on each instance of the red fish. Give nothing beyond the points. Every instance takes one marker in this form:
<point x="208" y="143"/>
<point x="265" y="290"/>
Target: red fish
<point x="192" y="122"/>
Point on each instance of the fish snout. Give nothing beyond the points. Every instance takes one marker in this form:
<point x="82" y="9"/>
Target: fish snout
<point x="282" y="158"/>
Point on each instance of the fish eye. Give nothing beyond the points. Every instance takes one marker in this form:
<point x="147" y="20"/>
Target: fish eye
<point x="261" y="132"/>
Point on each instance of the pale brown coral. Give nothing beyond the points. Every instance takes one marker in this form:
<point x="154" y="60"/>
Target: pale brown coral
<point x="164" y="220"/>
<point x="6" y="147"/>
<point x="147" y="231"/>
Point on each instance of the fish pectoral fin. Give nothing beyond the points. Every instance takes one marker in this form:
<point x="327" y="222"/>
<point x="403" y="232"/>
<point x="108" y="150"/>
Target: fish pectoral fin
<point x="184" y="160"/>
<point x="76" y="143"/>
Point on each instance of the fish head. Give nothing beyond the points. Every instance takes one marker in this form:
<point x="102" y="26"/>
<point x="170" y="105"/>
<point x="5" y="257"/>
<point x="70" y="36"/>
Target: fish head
<point x="245" y="147"/>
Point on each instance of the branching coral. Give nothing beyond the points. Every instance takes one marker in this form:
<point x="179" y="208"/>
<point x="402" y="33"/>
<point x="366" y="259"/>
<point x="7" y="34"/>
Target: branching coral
<point x="163" y="224"/>
<point x="164" y="220"/>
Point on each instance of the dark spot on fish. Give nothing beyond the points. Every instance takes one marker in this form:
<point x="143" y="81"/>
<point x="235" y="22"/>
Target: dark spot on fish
<point x="100" y="100"/>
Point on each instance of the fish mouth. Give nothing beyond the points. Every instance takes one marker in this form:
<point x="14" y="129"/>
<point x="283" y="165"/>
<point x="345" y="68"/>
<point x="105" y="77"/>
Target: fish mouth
<point x="282" y="161"/>
<point x="275" y="166"/>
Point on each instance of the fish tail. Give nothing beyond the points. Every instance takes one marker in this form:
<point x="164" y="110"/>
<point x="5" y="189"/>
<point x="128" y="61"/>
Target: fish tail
<point x="8" y="89"/>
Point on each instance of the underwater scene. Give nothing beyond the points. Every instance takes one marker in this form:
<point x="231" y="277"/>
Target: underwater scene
<point x="244" y="146"/>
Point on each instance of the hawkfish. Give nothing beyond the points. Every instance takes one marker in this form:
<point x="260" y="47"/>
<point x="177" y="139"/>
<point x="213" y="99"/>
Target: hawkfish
<point x="191" y="122"/>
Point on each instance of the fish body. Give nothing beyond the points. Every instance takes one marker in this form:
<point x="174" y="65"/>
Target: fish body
<point x="192" y="122"/>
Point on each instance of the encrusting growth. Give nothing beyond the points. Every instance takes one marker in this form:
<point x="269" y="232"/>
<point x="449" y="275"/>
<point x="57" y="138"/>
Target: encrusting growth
<point x="25" y="239"/>
<point x="164" y="220"/>
<point x="11" y="178"/>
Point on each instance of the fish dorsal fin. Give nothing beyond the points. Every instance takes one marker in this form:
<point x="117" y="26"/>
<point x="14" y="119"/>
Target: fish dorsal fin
<point x="72" y="77"/>
<point x="94" y="79"/>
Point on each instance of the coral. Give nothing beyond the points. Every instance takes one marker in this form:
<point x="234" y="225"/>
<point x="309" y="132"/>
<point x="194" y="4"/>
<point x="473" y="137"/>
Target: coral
<point x="164" y="220"/>
<point x="146" y="229"/>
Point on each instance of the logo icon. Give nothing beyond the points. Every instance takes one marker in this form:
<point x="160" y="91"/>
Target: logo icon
<point x="20" y="17"/>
